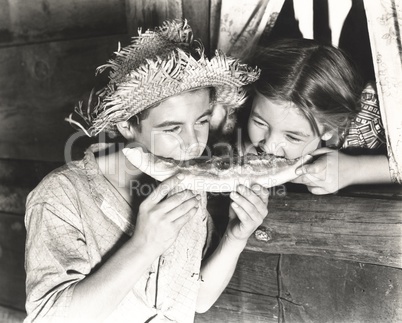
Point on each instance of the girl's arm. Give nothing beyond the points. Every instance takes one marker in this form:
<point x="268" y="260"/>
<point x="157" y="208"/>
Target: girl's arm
<point x="334" y="170"/>
<point x="246" y="213"/>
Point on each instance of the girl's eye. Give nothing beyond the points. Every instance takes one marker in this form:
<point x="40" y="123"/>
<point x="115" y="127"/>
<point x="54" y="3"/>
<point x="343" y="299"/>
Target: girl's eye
<point x="293" y="139"/>
<point x="259" y="124"/>
<point x="175" y="129"/>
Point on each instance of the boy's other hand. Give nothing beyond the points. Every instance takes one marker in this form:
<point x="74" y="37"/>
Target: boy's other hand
<point x="161" y="217"/>
<point x="247" y="211"/>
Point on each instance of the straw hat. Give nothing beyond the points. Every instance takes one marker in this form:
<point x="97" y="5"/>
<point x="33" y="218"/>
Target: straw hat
<point x="155" y="66"/>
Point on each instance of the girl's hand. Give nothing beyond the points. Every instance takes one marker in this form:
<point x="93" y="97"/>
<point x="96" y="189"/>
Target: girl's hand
<point x="246" y="213"/>
<point x="159" y="220"/>
<point x="332" y="171"/>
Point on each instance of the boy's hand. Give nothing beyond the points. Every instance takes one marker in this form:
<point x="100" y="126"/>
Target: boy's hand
<point x="332" y="171"/>
<point x="159" y="220"/>
<point x="246" y="213"/>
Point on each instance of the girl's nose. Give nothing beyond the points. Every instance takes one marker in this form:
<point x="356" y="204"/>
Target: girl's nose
<point x="273" y="146"/>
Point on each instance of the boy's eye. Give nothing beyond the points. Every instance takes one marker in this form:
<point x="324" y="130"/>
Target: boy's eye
<point x="175" y="129"/>
<point x="203" y="121"/>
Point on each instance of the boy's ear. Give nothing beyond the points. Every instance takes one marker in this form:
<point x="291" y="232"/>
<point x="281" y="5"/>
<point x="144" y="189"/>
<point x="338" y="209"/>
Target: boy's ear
<point x="126" y="129"/>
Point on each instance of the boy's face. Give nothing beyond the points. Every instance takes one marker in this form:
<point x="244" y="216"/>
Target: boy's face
<point x="178" y="127"/>
<point x="279" y="128"/>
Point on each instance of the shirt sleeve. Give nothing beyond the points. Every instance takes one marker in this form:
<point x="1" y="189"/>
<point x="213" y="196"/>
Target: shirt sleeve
<point x="56" y="256"/>
<point x="366" y="130"/>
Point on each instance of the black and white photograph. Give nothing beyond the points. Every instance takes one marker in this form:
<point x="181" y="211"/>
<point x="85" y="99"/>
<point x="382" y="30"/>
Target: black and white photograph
<point x="200" y="161"/>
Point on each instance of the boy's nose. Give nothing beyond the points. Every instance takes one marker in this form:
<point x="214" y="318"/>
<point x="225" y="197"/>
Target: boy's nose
<point x="190" y="139"/>
<point x="191" y="144"/>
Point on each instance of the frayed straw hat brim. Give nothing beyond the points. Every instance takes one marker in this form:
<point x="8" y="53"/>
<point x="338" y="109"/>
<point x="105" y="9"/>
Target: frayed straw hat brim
<point x="158" y="65"/>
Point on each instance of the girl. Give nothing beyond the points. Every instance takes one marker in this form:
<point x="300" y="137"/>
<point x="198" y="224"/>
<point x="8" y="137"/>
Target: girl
<point x="307" y="97"/>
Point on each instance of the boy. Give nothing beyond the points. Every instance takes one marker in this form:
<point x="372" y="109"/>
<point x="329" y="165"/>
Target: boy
<point x="99" y="250"/>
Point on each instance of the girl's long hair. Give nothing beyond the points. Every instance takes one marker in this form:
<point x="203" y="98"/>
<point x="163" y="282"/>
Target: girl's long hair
<point x="319" y="79"/>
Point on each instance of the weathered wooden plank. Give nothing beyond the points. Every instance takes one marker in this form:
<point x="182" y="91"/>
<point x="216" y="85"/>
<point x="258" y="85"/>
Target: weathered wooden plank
<point x="198" y="15"/>
<point x="147" y="14"/>
<point x="251" y="293"/>
<point x="17" y="179"/>
<point x="25" y="173"/>
<point x="9" y="315"/>
<point x="315" y="289"/>
<point x="381" y="191"/>
<point x="393" y="191"/>
<point x="24" y="22"/>
<point x="43" y="84"/>
<point x="150" y="13"/>
<point x="12" y="198"/>
<point x="256" y="272"/>
<point x="12" y="272"/>
<point x="236" y="306"/>
<point x="214" y="23"/>
<point x="362" y="229"/>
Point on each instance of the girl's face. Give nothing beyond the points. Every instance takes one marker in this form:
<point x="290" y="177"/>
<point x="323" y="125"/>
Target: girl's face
<point x="279" y="128"/>
<point x="177" y="128"/>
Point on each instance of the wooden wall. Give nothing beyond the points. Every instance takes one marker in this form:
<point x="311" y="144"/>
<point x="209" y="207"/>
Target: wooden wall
<point x="48" y="53"/>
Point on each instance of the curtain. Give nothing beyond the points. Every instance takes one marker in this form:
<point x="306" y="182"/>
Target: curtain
<point x="241" y="23"/>
<point x="384" y="20"/>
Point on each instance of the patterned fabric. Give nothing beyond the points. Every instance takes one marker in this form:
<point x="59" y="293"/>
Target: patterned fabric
<point x="366" y="130"/>
<point x="384" y="25"/>
<point x="74" y="220"/>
